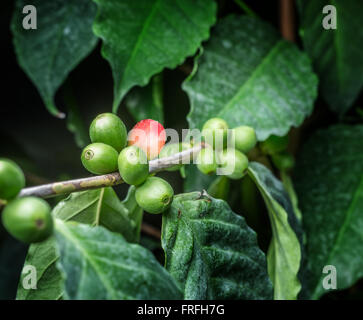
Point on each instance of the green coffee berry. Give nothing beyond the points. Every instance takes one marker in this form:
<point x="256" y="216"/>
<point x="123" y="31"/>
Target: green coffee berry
<point x="206" y="161"/>
<point x="232" y="163"/>
<point x="109" y="129"/>
<point x="274" y="144"/>
<point x="99" y="158"/>
<point x="133" y="165"/>
<point x="245" y="138"/>
<point x="171" y="149"/>
<point x="28" y="219"/>
<point x="214" y="132"/>
<point x="155" y="195"/>
<point x="12" y="179"/>
<point x="283" y="161"/>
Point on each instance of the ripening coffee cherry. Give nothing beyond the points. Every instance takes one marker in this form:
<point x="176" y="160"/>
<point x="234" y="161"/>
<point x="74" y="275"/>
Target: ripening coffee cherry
<point x="155" y="195"/>
<point x="173" y="148"/>
<point x="133" y="165"/>
<point x="11" y="179"/>
<point x="214" y="132"/>
<point x="232" y="163"/>
<point x="283" y="161"/>
<point x="149" y="135"/>
<point x="206" y="161"/>
<point x="99" y="158"/>
<point x="28" y="219"/>
<point x="245" y="138"/>
<point x="109" y="129"/>
<point x="274" y="144"/>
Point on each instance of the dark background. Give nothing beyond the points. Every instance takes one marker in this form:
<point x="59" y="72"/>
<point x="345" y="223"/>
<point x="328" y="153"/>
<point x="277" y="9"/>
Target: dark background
<point x="46" y="150"/>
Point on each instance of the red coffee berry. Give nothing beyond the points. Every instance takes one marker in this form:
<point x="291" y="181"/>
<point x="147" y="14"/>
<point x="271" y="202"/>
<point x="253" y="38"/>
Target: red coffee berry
<point x="149" y="135"/>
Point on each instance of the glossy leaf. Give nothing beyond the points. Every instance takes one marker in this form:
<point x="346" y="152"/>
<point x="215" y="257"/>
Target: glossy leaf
<point x="211" y="251"/>
<point x="93" y="207"/>
<point x="102" y="207"/>
<point x="248" y="75"/>
<point x="99" y="264"/>
<point x="147" y="102"/>
<point x="43" y="256"/>
<point x="62" y="39"/>
<point x="141" y="38"/>
<point x="284" y="254"/>
<point x="329" y="184"/>
<point x="335" y="52"/>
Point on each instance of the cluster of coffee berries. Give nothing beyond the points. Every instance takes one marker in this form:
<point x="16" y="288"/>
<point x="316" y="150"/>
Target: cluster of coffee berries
<point x="113" y="149"/>
<point x="27" y="219"/>
<point x="225" y="152"/>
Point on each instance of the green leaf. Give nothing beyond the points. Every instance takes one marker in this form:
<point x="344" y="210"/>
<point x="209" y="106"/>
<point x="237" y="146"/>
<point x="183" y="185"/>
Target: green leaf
<point x="141" y="38"/>
<point x="195" y="180"/>
<point x="62" y="39"/>
<point x="102" y="207"/>
<point x="43" y="256"/>
<point x="329" y="184"/>
<point x="99" y="264"/>
<point x="212" y="252"/>
<point x="248" y="75"/>
<point x="334" y="52"/>
<point x="99" y="206"/>
<point x="147" y="102"/>
<point x="284" y="254"/>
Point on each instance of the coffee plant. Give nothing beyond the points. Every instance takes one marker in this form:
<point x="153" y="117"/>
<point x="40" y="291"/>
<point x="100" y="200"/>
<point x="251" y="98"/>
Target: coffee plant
<point x="227" y="164"/>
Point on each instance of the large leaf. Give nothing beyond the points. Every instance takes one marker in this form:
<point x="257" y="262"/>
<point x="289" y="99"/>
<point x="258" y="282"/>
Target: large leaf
<point x="142" y="37"/>
<point x="335" y="53"/>
<point x="93" y="207"/>
<point x="284" y="254"/>
<point x="329" y="184"/>
<point x="147" y="102"/>
<point x="102" y="207"/>
<point x="249" y="75"/>
<point x="99" y="264"/>
<point x="62" y="39"/>
<point x="212" y="252"/>
<point x="43" y="256"/>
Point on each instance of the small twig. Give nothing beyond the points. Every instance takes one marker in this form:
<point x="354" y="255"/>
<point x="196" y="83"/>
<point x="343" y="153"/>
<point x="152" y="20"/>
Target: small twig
<point x="186" y="69"/>
<point x="150" y="230"/>
<point x="107" y="180"/>
<point x="287" y="19"/>
<point x="287" y="28"/>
